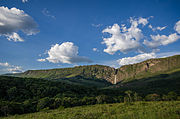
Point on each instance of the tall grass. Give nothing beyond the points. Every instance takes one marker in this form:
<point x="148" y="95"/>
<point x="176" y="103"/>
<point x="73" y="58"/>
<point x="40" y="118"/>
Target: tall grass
<point x="137" y="110"/>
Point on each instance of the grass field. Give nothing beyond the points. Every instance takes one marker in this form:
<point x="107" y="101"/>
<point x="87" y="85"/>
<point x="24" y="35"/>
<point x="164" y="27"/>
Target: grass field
<point x="137" y="110"/>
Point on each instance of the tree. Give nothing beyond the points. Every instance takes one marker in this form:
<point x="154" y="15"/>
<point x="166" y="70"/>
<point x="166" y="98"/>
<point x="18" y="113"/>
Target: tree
<point x="103" y="99"/>
<point x="43" y="103"/>
<point x="12" y="93"/>
<point x="137" y="97"/>
<point x="129" y="92"/>
<point x="153" y="97"/>
<point x="172" y="96"/>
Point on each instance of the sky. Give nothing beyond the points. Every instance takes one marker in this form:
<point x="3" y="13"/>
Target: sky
<point x="46" y="34"/>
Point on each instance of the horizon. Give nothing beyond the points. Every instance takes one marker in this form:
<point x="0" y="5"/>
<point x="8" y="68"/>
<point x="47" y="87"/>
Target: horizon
<point x="41" y="34"/>
<point x="86" y="65"/>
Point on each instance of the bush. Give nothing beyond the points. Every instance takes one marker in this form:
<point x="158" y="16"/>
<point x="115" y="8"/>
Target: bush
<point x="44" y="102"/>
<point x="7" y="108"/>
<point x="101" y="99"/>
<point x="153" y="97"/>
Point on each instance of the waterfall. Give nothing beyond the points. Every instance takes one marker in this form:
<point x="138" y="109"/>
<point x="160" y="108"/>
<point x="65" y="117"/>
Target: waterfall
<point x="115" y="79"/>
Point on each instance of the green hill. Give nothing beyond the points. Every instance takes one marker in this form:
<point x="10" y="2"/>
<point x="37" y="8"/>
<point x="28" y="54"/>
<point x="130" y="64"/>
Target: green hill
<point x="26" y="95"/>
<point x="106" y="74"/>
<point x="148" y="68"/>
<point x="138" y="110"/>
<point x="92" y="71"/>
<point x="93" y="75"/>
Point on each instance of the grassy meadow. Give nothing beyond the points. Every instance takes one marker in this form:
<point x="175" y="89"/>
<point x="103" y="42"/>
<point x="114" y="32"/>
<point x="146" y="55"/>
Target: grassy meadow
<point x="136" y="110"/>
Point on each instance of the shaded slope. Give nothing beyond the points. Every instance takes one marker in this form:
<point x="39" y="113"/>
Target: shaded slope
<point x="160" y="84"/>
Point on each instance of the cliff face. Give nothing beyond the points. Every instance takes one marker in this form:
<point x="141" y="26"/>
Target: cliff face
<point x="89" y="72"/>
<point x="148" y="68"/>
<point x="125" y="73"/>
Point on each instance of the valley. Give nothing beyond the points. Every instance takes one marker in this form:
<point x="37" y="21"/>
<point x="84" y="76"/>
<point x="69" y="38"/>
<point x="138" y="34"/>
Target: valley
<point x="155" y="81"/>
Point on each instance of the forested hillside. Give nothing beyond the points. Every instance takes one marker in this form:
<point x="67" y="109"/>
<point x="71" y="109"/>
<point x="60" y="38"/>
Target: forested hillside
<point x="26" y="95"/>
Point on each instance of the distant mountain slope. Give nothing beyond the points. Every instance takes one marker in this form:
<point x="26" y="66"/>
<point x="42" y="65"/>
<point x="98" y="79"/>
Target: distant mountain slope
<point x="125" y="73"/>
<point x="161" y="83"/>
<point x="148" y="68"/>
<point x="93" y="75"/>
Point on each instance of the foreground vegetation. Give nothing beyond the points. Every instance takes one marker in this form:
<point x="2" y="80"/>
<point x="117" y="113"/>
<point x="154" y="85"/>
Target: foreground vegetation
<point x="27" y="95"/>
<point x="67" y="88"/>
<point x="136" y="110"/>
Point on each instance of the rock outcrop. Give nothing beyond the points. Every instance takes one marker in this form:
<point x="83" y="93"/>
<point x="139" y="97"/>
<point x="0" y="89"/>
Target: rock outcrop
<point x="125" y="73"/>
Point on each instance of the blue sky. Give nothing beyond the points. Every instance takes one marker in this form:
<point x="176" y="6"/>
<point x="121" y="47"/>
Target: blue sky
<point x="72" y="32"/>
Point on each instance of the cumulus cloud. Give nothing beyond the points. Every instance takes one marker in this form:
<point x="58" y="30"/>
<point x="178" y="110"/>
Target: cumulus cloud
<point x="47" y="13"/>
<point x="143" y="21"/>
<point x="124" y="39"/>
<point x="41" y="60"/>
<point x="161" y="28"/>
<point x="167" y="54"/>
<point x="143" y="57"/>
<point x="95" y="50"/>
<point x="158" y="40"/>
<point x="136" y="59"/>
<point x="24" y="1"/>
<point x="177" y="27"/>
<point x="66" y="52"/>
<point x="157" y="28"/>
<point x="15" y="37"/>
<point x="4" y="64"/>
<point x="14" y="20"/>
<point x="15" y="69"/>
<point x="96" y="25"/>
<point x="6" y="67"/>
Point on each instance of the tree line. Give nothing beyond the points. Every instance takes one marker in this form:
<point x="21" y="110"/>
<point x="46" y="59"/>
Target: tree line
<point x="27" y="95"/>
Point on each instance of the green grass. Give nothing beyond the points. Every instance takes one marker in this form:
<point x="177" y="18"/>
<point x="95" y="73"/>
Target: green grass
<point x="137" y="110"/>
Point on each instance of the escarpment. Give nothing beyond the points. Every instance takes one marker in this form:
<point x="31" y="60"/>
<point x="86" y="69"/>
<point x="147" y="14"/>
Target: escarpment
<point x="148" y="68"/>
<point x="125" y="73"/>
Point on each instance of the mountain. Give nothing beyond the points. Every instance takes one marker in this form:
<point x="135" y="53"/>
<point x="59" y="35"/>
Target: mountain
<point x="100" y="73"/>
<point x="93" y="75"/>
<point x="148" y="68"/>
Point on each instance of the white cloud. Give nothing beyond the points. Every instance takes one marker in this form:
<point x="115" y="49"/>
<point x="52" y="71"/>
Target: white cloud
<point x="15" y="37"/>
<point x="158" y="40"/>
<point x="66" y="52"/>
<point x="143" y="21"/>
<point x="150" y="26"/>
<point x="96" y="25"/>
<point x="4" y="64"/>
<point x="7" y="68"/>
<point x="167" y="54"/>
<point x="24" y="1"/>
<point x="177" y="27"/>
<point x="14" y="20"/>
<point x="95" y="50"/>
<point x="136" y="59"/>
<point x="111" y="63"/>
<point x="15" y="69"/>
<point x="161" y="28"/>
<point x="124" y="39"/>
<point x="157" y="28"/>
<point x="41" y="60"/>
<point x="46" y="12"/>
